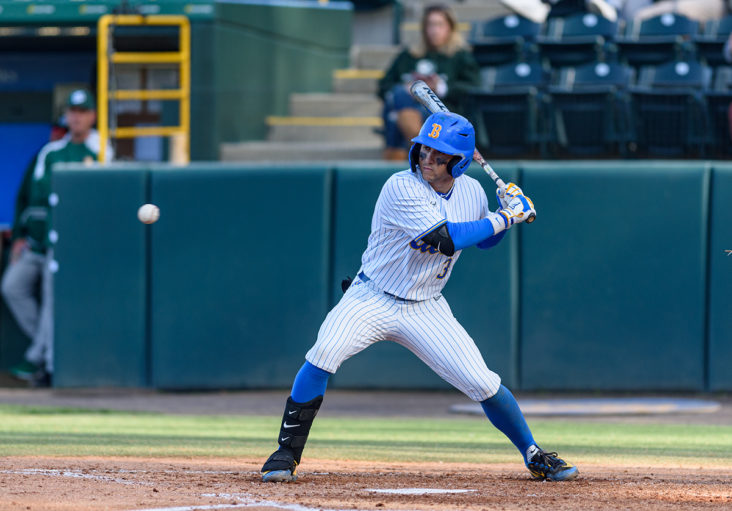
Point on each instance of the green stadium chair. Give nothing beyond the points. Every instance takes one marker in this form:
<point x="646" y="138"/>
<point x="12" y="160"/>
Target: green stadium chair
<point x="502" y="40"/>
<point x="669" y="109"/>
<point x="508" y="111"/>
<point x="657" y="40"/>
<point x="590" y="110"/>
<point x="710" y="43"/>
<point x="577" y="39"/>
<point x="719" y="100"/>
<point x="678" y="74"/>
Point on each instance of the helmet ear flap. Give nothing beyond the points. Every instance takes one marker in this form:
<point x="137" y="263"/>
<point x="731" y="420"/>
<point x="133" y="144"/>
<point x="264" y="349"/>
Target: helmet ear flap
<point x="453" y="161"/>
<point x="414" y="156"/>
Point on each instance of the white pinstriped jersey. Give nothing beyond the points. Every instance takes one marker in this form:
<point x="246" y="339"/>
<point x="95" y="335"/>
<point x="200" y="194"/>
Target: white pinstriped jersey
<point x="396" y="260"/>
<point x="398" y="264"/>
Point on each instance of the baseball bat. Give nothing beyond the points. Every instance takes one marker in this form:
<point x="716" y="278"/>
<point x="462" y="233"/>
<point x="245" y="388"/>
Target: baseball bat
<point x="427" y="97"/>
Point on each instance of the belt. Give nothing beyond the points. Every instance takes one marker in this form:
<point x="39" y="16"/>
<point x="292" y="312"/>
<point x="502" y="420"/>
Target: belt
<point x="365" y="278"/>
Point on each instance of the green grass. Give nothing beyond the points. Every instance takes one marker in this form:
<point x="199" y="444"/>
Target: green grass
<point x="68" y="432"/>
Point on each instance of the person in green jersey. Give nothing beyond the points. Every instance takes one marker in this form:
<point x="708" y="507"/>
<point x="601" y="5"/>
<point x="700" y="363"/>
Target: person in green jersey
<point x="443" y="60"/>
<point x="31" y="257"/>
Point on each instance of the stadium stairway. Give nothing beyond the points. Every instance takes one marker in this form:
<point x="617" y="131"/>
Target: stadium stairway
<point x="346" y="122"/>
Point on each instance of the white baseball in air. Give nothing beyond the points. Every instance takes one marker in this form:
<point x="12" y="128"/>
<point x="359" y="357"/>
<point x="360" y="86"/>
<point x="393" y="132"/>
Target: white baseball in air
<point x="148" y="213"/>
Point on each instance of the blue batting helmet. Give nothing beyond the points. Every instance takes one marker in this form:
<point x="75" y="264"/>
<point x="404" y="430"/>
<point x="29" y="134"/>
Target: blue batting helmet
<point x="449" y="133"/>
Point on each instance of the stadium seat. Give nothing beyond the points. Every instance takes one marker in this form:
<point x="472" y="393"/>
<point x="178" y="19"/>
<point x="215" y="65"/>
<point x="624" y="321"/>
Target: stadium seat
<point x="502" y="40"/>
<point x="710" y="43"/>
<point x="669" y="109"/>
<point x="678" y="74"/>
<point x="590" y="110"/>
<point x="719" y="100"/>
<point x="657" y="40"/>
<point x="577" y="39"/>
<point x="519" y="74"/>
<point x="508" y="111"/>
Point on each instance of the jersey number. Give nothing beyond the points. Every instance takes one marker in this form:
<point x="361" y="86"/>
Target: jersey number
<point x="436" y="128"/>
<point x="445" y="268"/>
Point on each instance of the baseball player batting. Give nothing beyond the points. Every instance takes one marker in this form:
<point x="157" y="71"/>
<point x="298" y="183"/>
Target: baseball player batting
<point x="424" y="217"/>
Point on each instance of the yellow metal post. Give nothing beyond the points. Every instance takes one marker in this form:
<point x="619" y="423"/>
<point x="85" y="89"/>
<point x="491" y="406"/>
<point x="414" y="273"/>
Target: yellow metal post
<point x="103" y="84"/>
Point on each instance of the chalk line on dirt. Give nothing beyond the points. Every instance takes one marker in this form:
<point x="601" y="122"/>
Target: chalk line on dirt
<point x="415" y="491"/>
<point x="246" y="501"/>
<point x="72" y="473"/>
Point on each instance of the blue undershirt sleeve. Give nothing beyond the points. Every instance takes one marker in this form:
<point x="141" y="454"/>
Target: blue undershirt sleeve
<point x="492" y="241"/>
<point x="466" y="234"/>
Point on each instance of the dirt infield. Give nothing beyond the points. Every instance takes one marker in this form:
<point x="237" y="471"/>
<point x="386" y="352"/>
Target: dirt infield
<point x="188" y="484"/>
<point x="86" y="484"/>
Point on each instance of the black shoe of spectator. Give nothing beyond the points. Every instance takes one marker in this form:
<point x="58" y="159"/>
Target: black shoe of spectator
<point x="42" y="380"/>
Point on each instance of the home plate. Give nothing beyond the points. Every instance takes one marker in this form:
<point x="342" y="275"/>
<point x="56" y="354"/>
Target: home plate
<point x="415" y="491"/>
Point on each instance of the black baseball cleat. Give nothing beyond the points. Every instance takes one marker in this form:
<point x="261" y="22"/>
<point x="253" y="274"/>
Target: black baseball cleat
<point x="548" y="466"/>
<point x="280" y="467"/>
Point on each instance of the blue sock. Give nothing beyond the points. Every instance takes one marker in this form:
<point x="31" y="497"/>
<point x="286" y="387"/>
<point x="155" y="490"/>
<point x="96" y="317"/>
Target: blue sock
<point x="310" y="383"/>
<point x="504" y="412"/>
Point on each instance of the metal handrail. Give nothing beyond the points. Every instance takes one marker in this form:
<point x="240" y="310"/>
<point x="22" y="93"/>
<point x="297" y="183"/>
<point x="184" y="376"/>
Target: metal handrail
<point x="181" y="58"/>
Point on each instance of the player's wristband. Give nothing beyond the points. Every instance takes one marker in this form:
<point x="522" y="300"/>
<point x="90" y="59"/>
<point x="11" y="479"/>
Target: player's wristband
<point x="467" y="234"/>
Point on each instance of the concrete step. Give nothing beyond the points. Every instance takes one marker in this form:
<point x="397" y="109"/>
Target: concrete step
<point x="464" y="9"/>
<point x="301" y="151"/>
<point x="324" y="129"/>
<point x="479" y="11"/>
<point x="374" y="26"/>
<point x="356" y="80"/>
<point x="335" y="105"/>
<point x="373" y="56"/>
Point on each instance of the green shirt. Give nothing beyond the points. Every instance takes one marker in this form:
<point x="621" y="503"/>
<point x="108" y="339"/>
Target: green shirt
<point x="33" y="205"/>
<point x="460" y="71"/>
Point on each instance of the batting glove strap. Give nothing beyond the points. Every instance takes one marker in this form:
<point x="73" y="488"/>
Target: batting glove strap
<point x="499" y="221"/>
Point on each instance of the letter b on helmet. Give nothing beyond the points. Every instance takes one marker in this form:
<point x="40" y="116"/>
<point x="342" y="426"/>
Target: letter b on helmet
<point x="435" y="133"/>
<point x="449" y="133"/>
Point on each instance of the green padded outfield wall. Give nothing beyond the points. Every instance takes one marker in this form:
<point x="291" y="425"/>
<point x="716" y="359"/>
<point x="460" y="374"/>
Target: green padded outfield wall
<point x="720" y="280"/>
<point x="100" y="290"/>
<point x="613" y="276"/>
<point x="607" y="290"/>
<point x="239" y="265"/>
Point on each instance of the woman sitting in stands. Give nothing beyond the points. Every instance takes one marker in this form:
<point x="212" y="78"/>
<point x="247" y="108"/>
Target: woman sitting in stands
<point x="443" y="60"/>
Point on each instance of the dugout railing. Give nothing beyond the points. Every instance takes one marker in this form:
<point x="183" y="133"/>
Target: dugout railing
<point x="108" y="57"/>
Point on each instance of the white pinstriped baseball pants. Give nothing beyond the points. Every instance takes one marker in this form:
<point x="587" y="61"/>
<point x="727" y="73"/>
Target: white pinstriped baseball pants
<point x="427" y="328"/>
